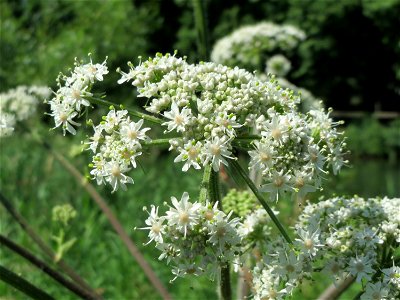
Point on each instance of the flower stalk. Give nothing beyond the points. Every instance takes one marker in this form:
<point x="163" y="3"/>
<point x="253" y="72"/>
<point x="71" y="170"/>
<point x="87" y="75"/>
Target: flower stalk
<point x="131" y="111"/>
<point x="260" y="198"/>
<point x="225" y="280"/>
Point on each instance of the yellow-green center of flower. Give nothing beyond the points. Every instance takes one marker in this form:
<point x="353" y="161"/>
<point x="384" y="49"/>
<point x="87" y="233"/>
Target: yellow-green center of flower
<point x="156" y="228"/>
<point x="308" y="243"/>
<point x="290" y="268"/>
<point x="359" y="267"/>
<point x="215" y="150"/>
<point x="115" y="171"/>
<point x="184" y="217"/>
<point x="278" y="182"/>
<point x="132" y="134"/>
<point x="264" y="157"/>
<point x="209" y="214"/>
<point x="76" y="94"/>
<point x="193" y="152"/>
<point x="300" y="182"/>
<point x="178" y="119"/>
<point x="276" y="133"/>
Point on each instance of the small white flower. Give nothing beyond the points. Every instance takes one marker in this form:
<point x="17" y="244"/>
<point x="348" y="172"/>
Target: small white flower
<point x="155" y="225"/>
<point x="132" y="133"/>
<point x="392" y="275"/>
<point x="91" y="71"/>
<point x="279" y="184"/>
<point x="263" y="157"/>
<point x="179" y="119"/>
<point x="309" y="241"/>
<point x="361" y="267"/>
<point x="63" y="116"/>
<point x="113" y="118"/>
<point x="288" y="265"/>
<point x="190" y="154"/>
<point x="115" y="176"/>
<point x="184" y="215"/>
<point x="375" y="291"/>
<point x="215" y="151"/>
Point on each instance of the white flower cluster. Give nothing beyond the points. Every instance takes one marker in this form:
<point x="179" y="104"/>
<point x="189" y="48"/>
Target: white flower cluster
<point x="278" y="65"/>
<point x="116" y="143"/>
<point x="18" y="105"/>
<point x="69" y="100"/>
<point x="215" y="108"/>
<point x="308" y="100"/>
<point x="242" y="48"/>
<point x="247" y="45"/>
<point x="343" y="237"/>
<point x="197" y="238"/>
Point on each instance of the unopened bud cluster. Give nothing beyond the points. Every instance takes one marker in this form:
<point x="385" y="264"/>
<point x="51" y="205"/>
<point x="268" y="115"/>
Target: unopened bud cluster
<point x="247" y="45"/>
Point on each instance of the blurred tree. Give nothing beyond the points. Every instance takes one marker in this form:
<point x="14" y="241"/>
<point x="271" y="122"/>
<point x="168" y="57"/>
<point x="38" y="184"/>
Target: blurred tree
<point x="41" y="38"/>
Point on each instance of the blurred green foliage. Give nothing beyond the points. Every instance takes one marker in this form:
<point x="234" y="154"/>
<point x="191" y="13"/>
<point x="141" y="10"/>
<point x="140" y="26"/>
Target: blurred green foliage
<point x="39" y="39"/>
<point x="369" y="137"/>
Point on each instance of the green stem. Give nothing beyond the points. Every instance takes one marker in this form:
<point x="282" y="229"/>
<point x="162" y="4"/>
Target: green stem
<point x="215" y="196"/>
<point x="159" y="142"/>
<point x="131" y="111"/>
<point x="260" y="198"/>
<point x="226" y="293"/>
<point x="22" y="285"/>
<point x="205" y="184"/>
<point x="200" y="21"/>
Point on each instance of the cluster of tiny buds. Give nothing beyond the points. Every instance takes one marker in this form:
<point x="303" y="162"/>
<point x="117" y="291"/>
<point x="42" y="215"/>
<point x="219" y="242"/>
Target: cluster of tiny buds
<point x="244" y="47"/>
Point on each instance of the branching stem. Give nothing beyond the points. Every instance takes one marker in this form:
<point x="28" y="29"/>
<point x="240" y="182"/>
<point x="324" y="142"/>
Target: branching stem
<point x="131" y="111"/>
<point x="260" y="198"/>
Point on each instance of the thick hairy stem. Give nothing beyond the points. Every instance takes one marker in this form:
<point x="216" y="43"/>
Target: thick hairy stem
<point x="334" y="291"/>
<point x="73" y="287"/>
<point x="22" y="285"/>
<point x="46" y="249"/>
<point x="225" y="280"/>
<point x="260" y="198"/>
<point x="200" y="20"/>
<point x="131" y="111"/>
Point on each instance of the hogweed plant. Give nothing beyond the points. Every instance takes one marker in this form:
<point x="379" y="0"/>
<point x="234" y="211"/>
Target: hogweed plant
<point x="210" y="113"/>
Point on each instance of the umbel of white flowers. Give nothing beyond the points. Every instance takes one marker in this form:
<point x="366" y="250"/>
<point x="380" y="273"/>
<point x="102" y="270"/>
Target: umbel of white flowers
<point x="247" y="46"/>
<point x="19" y="104"/>
<point x="210" y="109"/>
<point x="195" y="237"/>
<point x="341" y="237"/>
